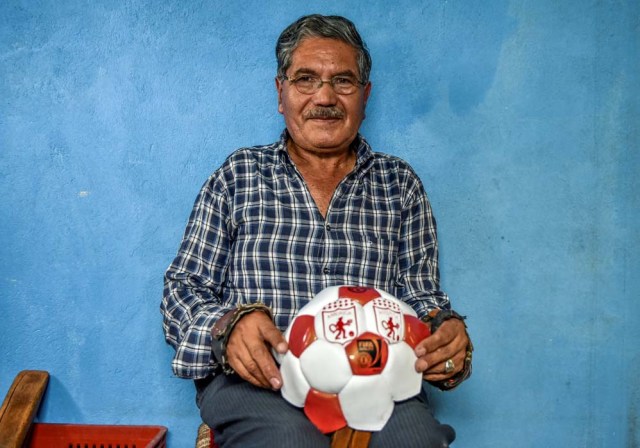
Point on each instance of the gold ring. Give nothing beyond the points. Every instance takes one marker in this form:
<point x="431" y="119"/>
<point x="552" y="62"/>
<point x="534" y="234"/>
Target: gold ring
<point x="449" y="366"/>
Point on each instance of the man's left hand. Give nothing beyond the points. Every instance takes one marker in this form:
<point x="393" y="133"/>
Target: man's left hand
<point x="449" y="342"/>
<point x="248" y="350"/>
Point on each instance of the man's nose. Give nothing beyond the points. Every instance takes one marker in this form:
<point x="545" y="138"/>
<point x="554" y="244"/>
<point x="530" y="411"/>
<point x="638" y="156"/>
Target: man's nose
<point x="325" y="95"/>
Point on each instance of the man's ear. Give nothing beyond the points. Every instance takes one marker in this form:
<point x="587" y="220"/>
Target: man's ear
<point x="367" y="92"/>
<point x="279" y="90"/>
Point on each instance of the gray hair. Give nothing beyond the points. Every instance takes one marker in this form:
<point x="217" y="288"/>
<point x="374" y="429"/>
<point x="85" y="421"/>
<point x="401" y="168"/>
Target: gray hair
<point x="316" y="25"/>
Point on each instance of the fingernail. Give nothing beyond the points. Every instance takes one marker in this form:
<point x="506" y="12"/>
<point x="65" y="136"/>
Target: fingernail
<point x="421" y="365"/>
<point x="420" y="351"/>
<point x="275" y="383"/>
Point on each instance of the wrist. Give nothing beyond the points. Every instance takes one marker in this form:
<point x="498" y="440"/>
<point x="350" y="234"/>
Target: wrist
<point x="435" y="319"/>
<point x="222" y="329"/>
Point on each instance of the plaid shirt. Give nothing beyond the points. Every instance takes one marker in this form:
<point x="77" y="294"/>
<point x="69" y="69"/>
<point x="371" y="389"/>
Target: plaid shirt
<point x="256" y="235"/>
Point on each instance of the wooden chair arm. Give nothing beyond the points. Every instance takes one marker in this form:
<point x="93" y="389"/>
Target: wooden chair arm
<point x="20" y="407"/>
<point x="350" y="438"/>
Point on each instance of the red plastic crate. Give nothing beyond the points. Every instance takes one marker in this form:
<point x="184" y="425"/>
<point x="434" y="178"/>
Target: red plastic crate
<point x="53" y="435"/>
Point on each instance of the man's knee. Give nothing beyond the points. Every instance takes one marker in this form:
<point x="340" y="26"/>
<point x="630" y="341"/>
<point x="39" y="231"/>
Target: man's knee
<point x="423" y="436"/>
<point x="440" y="437"/>
<point x="284" y="436"/>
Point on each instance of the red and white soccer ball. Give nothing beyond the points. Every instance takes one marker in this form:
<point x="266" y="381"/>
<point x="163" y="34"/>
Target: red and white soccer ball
<point x="351" y="356"/>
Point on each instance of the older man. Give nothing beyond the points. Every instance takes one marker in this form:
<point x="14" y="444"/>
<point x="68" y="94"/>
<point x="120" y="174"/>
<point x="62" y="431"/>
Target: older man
<point x="276" y="224"/>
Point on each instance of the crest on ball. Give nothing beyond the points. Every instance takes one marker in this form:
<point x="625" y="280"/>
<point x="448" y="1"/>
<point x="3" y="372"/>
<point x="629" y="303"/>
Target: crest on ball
<point x="389" y="319"/>
<point x="339" y="321"/>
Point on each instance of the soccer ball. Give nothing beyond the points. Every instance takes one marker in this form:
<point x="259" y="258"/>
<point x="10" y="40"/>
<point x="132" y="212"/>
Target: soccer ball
<point x="351" y="356"/>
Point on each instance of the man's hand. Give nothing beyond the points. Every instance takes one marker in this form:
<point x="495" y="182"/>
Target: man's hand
<point x="450" y="341"/>
<point x="248" y="350"/>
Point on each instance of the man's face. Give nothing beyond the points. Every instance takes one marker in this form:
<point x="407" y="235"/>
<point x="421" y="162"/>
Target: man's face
<point x="324" y="58"/>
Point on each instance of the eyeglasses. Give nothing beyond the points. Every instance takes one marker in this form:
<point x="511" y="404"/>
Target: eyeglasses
<point x="309" y="84"/>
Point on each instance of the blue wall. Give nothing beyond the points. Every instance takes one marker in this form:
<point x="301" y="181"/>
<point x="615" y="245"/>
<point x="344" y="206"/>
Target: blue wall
<point x="520" y="116"/>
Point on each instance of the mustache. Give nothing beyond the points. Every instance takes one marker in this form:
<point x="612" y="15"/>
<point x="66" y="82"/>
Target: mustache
<point x="324" y="112"/>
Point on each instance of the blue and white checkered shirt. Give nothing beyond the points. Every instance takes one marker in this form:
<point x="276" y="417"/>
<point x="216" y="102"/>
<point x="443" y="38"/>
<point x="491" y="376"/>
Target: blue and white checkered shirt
<point x="256" y="235"/>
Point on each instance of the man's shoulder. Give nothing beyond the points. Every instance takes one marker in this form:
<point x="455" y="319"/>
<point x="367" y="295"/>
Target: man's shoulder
<point x="394" y="171"/>
<point x="244" y="165"/>
<point x="392" y="163"/>
<point x="248" y="159"/>
<point x="260" y="154"/>
<point x="390" y="159"/>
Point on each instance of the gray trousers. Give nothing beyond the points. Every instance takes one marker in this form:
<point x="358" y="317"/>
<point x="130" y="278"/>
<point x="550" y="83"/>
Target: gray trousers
<point x="242" y="415"/>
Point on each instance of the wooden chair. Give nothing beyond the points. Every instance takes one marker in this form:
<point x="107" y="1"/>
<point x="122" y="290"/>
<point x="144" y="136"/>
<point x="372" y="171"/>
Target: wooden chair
<point x="20" y="407"/>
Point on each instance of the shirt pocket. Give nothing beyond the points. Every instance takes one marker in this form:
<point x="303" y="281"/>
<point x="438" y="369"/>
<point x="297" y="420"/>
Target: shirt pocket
<point x="371" y="259"/>
<point x="375" y="249"/>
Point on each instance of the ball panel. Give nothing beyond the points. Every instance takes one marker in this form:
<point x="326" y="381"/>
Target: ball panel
<point x="415" y="330"/>
<point x="302" y="334"/>
<point x="366" y="403"/>
<point x="294" y="385"/>
<point x="367" y="354"/>
<point x="325" y="366"/>
<point x="360" y="294"/>
<point x="400" y="374"/>
<point x="324" y="411"/>
<point x="325" y="296"/>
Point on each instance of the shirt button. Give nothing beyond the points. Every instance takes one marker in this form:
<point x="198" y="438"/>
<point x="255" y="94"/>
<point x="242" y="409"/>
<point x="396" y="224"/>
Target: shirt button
<point x="325" y="270"/>
<point x="328" y="227"/>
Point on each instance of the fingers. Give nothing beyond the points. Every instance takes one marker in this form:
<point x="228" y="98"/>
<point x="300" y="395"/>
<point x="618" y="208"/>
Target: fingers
<point x="248" y="350"/>
<point x="451" y="331"/>
<point x="438" y="372"/>
<point x="275" y="338"/>
<point x="449" y="342"/>
<point x="243" y="365"/>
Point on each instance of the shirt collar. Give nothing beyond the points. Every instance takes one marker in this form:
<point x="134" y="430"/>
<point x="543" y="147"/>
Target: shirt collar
<point x="364" y="153"/>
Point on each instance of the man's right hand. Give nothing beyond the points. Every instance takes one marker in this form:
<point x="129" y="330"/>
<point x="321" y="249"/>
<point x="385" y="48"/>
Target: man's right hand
<point x="248" y="350"/>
